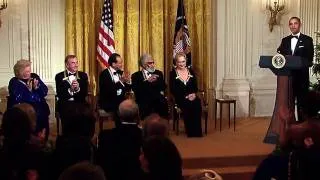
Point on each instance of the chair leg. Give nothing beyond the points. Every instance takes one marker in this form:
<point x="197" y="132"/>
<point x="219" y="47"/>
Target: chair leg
<point x="174" y="120"/>
<point x="234" y="117"/>
<point x="58" y="125"/>
<point x="229" y="114"/>
<point x="221" y="105"/>
<point x="177" y="126"/>
<point x="215" y="115"/>
<point x="206" y="124"/>
<point x="100" y="124"/>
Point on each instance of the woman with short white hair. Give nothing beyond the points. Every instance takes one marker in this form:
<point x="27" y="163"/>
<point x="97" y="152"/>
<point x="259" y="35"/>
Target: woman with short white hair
<point x="27" y="87"/>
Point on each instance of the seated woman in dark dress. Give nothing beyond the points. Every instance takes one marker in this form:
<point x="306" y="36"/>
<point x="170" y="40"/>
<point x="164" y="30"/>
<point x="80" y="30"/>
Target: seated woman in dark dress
<point x="183" y="86"/>
<point x="27" y="87"/>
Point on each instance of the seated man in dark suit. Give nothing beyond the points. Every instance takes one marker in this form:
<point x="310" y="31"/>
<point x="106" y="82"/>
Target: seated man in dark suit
<point x="113" y="84"/>
<point x="71" y="85"/>
<point x="119" y="148"/>
<point x="148" y="86"/>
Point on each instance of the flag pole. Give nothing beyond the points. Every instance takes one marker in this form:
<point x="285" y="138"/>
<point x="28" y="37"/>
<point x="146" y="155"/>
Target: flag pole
<point x="139" y="38"/>
<point x="183" y="15"/>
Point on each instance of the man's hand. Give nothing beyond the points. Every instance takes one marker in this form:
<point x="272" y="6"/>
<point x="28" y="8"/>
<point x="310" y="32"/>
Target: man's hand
<point x="75" y="85"/>
<point x="153" y="78"/>
<point x="126" y="77"/>
<point x="191" y="96"/>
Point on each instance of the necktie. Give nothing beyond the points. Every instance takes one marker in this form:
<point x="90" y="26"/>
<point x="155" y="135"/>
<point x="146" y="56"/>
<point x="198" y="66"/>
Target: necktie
<point x="70" y="74"/>
<point x="293" y="36"/>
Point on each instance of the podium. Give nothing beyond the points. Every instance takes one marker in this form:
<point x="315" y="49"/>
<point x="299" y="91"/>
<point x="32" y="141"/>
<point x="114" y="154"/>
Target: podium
<point x="283" y="113"/>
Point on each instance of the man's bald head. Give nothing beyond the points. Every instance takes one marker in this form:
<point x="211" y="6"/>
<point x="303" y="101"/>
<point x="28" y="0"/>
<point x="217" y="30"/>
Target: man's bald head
<point x="128" y="111"/>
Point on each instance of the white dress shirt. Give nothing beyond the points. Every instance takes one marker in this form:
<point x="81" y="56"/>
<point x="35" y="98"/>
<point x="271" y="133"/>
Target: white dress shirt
<point x="115" y="77"/>
<point x="294" y="42"/>
<point x="147" y="74"/>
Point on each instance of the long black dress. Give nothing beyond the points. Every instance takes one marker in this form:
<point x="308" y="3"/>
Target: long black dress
<point x="191" y="110"/>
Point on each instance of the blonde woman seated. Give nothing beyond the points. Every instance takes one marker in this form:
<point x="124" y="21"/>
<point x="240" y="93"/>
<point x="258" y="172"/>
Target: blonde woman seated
<point x="27" y="87"/>
<point x="183" y="86"/>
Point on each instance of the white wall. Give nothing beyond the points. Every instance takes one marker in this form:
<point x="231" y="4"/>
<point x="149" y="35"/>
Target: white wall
<point x="243" y="35"/>
<point x="35" y="30"/>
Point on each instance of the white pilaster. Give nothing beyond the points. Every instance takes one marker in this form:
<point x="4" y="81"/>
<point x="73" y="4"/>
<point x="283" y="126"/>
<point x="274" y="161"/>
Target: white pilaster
<point x="35" y="30"/>
<point x="231" y="53"/>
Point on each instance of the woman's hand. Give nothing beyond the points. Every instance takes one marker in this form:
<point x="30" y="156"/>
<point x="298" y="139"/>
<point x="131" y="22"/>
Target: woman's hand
<point x="35" y="84"/>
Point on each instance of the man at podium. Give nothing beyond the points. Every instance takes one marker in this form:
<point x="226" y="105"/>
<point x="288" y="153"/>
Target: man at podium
<point x="298" y="44"/>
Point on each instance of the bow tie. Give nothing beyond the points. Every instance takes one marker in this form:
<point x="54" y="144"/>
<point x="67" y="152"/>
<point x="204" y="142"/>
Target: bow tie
<point x="70" y="74"/>
<point x="118" y="72"/>
<point x="294" y="36"/>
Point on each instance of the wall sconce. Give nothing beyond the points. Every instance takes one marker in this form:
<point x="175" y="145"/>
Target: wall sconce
<point x="276" y="7"/>
<point x="3" y="6"/>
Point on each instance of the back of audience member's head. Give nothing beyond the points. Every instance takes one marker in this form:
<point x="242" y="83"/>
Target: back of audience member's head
<point x="83" y="171"/>
<point x="206" y="175"/>
<point x="311" y="106"/>
<point x="31" y="113"/>
<point x="79" y="120"/>
<point x="151" y="118"/>
<point x="128" y="111"/>
<point x="156" y="128"/>
<point x="16" y="126"/>
<point x="161" y="159"/>
<point x="305" y="135"/>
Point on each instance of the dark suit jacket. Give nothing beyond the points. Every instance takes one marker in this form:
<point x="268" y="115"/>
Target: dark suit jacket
<point x="146" y="92"/>
<point x="108" y="98"/>
<point x="119" y="151"/>
<point x="63" y="85"/>
<point x="305" y="49"/>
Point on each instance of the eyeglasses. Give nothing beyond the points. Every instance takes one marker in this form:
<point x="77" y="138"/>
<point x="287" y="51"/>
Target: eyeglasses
<point x="151" y="62"/>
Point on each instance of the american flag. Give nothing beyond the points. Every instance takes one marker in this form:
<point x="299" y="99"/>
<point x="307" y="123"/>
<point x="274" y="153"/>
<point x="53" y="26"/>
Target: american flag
<point x="182" y="42"/>
<point x="106" y="37"/>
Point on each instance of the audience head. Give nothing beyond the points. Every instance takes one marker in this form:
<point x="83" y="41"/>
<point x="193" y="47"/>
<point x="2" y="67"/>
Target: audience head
<point x="128" y="111"/>
<point x="16" y="126"/>
<point x="206" y="175"/>
<point x="83" y="171"/>
<point x="146" y="62"/>
<point x="307" y="133"/>
<point x="154" y="125"/>
<point x="22" y="69"/>
<point x="161" y="158"/>
<point x="294" y="25"/>
<point x="311" y="108"/>
<point x="115" y="61"/>
<point x="79" y="120"/>
<point x="180" y="60"/>
<point x="31" y="113"/>
<point x="71" y="63"/>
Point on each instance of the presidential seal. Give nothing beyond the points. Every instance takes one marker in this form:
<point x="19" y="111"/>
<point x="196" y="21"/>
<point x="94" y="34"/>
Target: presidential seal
<point x="278" y="61"/>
